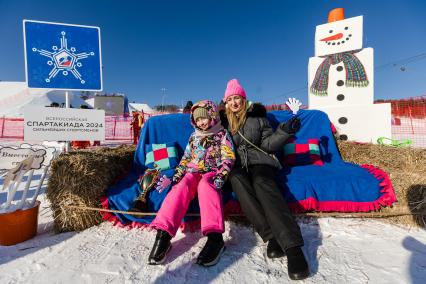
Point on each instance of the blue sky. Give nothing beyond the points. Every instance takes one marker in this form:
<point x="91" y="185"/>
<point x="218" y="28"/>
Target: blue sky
<point x="192" y="48"/>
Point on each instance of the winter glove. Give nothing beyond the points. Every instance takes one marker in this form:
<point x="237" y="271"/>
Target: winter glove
<point x="163" y="183"/>
<point x="291" y="126"/>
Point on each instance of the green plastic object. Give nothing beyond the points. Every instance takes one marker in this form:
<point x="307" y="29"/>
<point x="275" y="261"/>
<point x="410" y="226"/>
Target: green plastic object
<point x="394" y="142"/>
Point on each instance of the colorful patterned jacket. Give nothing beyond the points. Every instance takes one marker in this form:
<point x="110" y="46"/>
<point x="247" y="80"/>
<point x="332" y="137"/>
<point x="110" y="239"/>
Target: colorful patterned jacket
<point x="214" y="152"/>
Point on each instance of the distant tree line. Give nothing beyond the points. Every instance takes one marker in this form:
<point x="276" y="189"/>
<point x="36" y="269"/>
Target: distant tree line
<point x="167" y="108"/>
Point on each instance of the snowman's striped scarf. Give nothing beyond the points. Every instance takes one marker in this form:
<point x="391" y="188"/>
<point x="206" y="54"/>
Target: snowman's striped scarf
<point x="355" y="72"/>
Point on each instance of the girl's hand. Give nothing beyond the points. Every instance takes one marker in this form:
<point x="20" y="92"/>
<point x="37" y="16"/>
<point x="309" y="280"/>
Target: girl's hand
<point x="163" y="183"/>
<point x="294" y="105"/>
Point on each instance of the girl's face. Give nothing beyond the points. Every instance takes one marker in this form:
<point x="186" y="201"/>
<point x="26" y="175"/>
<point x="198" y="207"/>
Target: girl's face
<point x="234" y="103"/>
<point x="203" y="123"/>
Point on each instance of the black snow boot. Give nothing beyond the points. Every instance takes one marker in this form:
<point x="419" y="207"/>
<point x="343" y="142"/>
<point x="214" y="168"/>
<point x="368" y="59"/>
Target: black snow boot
<point x="297" y="266"/>
<point x="274" y="250"/>
<point x="212" y="250"/>
<point x="160" y="249"/>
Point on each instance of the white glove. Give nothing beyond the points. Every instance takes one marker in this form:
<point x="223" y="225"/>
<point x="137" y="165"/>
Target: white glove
<point x="163" y="183"/>
<point x="294" y="105"/>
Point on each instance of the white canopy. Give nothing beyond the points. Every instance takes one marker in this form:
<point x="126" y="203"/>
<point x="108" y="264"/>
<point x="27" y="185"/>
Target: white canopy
<point x="15" y="96"/>
<point x="140" y="107"/>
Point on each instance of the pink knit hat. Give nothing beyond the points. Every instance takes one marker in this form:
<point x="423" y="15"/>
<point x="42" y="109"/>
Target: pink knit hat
<point x="234" y="88"/>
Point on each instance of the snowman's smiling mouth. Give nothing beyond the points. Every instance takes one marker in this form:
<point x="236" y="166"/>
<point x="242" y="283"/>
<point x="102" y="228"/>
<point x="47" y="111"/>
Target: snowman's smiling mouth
<point x="336" y="39"/>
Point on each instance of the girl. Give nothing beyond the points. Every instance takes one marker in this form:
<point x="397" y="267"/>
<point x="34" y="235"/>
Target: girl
<point x="252" y="179"/>
<point x="208" y="158"/>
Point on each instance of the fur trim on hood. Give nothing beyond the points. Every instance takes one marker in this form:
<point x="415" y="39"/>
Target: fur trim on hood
<point x="256" y="110"/>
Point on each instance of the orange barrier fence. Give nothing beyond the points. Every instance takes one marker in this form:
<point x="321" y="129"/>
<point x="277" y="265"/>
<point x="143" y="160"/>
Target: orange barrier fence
<point x="11" y="128"/>
<point x="414" y="108"/>
<point x="118" y="128"/>
<point x="408" y="122"/>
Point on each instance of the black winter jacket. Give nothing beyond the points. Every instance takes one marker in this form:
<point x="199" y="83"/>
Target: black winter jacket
<point x="259" y="132"/>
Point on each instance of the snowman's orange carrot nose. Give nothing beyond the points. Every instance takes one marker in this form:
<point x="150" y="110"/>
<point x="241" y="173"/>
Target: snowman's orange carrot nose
<point x="333" y="37"/>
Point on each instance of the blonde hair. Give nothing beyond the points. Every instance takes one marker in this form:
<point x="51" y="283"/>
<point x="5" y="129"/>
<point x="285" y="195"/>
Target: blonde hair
<point x="237" y="119"/>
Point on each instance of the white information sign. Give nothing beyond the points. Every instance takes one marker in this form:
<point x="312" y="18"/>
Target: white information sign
<point x="61" y="124"/>
<point x="11" y="156"/>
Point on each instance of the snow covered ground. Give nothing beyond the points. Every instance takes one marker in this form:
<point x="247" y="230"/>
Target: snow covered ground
<point x="338" y="250"/>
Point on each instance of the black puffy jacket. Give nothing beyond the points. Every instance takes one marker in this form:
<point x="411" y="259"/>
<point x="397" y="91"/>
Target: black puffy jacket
<point x="259" y="132"/>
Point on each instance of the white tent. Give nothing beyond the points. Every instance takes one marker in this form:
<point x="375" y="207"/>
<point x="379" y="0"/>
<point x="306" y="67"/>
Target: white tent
<point x="140" y="107"/>
<point x="15" y="96"/>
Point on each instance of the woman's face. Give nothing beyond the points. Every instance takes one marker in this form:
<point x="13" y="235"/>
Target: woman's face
<point x="203" y="123"/>
<point x="234" y="103"/>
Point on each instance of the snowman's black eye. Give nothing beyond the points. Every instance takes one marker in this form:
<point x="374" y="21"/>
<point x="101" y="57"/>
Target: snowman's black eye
<point x="346" y="28"/>
<point x="330" y="31"/>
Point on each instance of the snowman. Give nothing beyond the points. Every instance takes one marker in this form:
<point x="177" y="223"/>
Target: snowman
<point x="341" y="80"/>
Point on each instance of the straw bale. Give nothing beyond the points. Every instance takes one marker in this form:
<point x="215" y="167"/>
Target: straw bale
<point x="406" y="168"/>
<point x="81" y="178"/>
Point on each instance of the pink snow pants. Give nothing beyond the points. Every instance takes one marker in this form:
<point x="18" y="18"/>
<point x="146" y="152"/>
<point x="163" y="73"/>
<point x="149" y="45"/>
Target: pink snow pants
<point x="176" y="203"/>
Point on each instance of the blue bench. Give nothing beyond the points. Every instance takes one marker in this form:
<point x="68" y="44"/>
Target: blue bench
<point x="335" y="186"/>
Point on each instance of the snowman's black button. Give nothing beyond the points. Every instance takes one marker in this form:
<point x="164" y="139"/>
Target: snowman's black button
<point x="343" y="120"/>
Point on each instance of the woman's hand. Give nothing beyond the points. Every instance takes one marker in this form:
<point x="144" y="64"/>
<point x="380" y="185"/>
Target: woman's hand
<point x="292" y="125"/>
<point x="163" y="183"/>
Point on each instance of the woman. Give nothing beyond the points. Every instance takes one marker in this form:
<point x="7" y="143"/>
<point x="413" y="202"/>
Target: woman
<point x="252" y="178"/>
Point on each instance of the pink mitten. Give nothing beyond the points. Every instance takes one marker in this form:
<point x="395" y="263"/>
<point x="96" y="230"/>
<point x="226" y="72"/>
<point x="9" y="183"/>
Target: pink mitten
<point x="163" y="183"/>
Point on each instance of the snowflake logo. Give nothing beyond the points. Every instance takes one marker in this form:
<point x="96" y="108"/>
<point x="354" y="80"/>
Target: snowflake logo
<point x="64" y="60"/>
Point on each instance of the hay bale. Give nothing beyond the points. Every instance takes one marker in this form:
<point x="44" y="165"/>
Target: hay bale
<point x="406" y="168"/>
<point x="81" y="178"/>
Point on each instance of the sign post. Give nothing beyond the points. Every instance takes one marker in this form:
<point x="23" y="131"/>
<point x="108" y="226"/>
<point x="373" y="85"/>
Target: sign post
<point x="62" y="57"/>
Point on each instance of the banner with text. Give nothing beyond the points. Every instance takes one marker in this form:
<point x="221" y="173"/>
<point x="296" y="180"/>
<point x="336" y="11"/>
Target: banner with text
<point x="61" y="124"/>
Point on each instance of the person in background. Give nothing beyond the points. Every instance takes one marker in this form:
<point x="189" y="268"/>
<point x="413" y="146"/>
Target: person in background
<point x="135" y="126"/>
<point x="141" y="119"/>
<point x="187" y="108"/>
